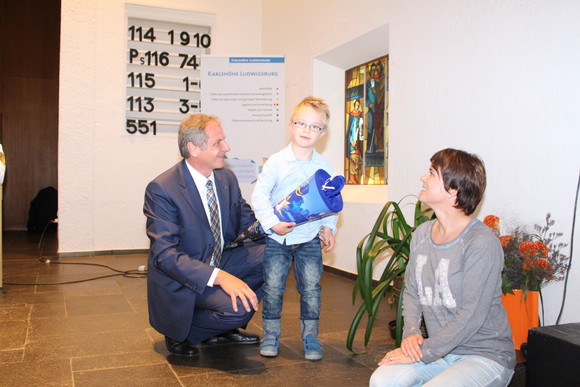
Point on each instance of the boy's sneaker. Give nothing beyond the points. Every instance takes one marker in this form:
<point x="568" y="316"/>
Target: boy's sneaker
<point x="312" y="348"/>
<point x="269" y="345"/>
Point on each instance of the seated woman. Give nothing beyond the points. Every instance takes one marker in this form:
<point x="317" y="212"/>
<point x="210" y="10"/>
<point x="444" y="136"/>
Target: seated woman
<point x="453" y="280"/>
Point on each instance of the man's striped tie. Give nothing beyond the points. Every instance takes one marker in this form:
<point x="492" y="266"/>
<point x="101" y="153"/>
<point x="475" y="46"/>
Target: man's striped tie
<point x="215" y="225"/>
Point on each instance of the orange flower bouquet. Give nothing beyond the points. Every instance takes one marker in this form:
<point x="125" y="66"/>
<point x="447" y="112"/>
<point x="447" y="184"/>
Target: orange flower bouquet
<point x="531" y="260"/>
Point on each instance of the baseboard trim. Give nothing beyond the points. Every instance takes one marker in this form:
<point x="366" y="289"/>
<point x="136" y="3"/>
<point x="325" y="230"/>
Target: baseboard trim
<point x="340" y="272"/>
<point x="94" y="253"/>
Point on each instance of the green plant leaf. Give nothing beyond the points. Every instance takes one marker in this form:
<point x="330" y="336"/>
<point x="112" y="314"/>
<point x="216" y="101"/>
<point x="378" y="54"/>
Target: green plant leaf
<point x="354" y="326"/>
<point x="399" y="320"/>
<point x="359" y="265"/>
<point x="377" y="301"/>
<point x="390" y="232"/>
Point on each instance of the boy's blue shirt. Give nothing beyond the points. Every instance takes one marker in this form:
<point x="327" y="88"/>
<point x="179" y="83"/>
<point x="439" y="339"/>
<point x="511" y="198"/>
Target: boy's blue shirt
<point x="281" y="175"/>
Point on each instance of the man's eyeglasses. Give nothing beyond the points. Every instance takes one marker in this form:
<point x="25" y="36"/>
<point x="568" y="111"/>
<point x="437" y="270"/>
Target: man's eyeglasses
<point x="302" y="125"/>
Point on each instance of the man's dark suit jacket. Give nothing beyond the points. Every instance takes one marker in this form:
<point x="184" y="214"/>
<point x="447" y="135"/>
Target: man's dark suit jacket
<point x="182" y="243"/>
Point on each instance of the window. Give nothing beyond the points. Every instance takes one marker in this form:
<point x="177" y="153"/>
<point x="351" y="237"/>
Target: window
<point x="366" y="110"/>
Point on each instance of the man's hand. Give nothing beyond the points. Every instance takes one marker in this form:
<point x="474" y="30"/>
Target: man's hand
<point x="326" y="239"/>
<point x="283" y="228"/>
<point x="411" y="346"/>
<point x="396" y="356"/>
<point x="235" y="288"/>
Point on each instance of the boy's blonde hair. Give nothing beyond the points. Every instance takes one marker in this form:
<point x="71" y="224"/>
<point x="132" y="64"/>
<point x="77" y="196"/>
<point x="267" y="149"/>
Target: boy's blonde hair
<point x="318" y="104"/>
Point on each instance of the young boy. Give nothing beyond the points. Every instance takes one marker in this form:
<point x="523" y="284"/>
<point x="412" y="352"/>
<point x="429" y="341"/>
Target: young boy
<point x="283" y="173"/>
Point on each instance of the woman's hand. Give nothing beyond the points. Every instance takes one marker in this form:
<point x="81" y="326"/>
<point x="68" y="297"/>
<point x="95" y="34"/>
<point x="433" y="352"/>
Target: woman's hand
<point x="396" y="356"/>
<point x="411" y="346"/>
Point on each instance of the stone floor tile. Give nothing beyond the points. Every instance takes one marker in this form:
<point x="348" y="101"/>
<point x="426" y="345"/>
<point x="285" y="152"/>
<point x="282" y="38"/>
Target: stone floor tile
<point x="116" y="360"/>
<point x="15" y="312"/>
<point x="79" y="345"/>
<point x="96" y="305"/>
<point x="37" y="373"/>
<point x="97" y="332"/>
<point x="64" y="326"/>
<point x="13" y="334"/>
<point x="11" y="356"/>
<point x="143" y="376"/>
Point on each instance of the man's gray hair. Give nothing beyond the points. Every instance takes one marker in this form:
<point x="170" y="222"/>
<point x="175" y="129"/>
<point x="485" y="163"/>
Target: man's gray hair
<point x="192" y="129"/>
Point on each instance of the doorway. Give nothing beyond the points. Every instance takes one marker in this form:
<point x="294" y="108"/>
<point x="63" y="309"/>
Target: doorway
<point x="29" y="83"/>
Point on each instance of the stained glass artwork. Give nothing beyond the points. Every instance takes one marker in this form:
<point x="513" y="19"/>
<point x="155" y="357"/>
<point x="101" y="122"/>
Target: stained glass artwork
<point x="366" y="118"/>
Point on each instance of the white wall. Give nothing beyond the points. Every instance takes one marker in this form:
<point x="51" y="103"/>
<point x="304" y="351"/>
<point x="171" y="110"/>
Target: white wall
<point x="102" y="170"/>
<point x="498" y="79"/>
<point x="495" y="78"/>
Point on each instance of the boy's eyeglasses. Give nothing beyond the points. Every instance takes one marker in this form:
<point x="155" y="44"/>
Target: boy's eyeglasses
<point x="302" y="125"/>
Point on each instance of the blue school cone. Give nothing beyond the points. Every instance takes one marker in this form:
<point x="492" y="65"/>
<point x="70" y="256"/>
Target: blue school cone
<point x="317" y="197"/>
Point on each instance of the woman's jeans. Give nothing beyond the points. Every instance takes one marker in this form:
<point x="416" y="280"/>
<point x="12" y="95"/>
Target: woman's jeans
<point x="307" y="271"/>
<point x="449" y="371"/>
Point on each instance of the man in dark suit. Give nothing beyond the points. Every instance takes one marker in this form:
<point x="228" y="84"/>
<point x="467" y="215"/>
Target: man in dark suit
<point x="195" y="290"/>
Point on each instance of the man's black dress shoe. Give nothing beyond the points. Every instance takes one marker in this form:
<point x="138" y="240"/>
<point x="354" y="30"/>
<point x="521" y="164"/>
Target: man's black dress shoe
<point x="180" y="349"/>
<point x="235" y="337"/>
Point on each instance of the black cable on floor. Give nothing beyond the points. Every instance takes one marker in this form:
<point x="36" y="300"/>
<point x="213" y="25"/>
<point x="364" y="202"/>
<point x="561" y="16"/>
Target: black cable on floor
<point x="127" y="274"/>
<point x="54" y="261"/>
<point x="46" y="226"/>
<point x="118" y="273"/>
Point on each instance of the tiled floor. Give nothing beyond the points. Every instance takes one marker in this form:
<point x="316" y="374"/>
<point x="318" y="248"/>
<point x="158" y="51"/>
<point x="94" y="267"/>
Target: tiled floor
<point x="96" y="333"/>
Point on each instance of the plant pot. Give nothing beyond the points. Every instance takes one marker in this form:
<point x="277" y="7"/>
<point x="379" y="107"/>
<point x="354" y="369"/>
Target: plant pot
<point x="393" y="329"/>
<point x="397" y="286"/>
<point x="522" y="314"/>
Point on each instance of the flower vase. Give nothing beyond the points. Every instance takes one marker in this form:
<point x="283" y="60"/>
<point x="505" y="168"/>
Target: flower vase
<point x="522" y="312"/>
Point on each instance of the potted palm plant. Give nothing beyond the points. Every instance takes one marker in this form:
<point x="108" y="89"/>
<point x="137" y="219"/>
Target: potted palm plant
<point x="391" y="233"/>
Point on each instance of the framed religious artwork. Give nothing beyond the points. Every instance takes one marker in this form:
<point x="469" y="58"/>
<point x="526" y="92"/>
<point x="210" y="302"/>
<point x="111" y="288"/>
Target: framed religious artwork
<point x="367" y="123"/>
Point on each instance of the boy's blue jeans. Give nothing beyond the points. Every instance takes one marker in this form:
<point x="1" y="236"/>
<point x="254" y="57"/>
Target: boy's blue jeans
<point x="307" y="271"/>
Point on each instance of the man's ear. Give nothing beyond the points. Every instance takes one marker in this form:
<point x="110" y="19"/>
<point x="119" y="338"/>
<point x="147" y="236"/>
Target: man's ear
<point x="193" y="149"/>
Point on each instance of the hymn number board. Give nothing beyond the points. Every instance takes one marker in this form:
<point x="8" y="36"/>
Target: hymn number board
<point x="163" y="74"/>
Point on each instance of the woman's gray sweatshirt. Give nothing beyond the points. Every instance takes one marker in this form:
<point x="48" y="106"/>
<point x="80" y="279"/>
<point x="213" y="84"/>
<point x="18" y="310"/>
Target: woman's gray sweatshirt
<point x="456" y="287"/>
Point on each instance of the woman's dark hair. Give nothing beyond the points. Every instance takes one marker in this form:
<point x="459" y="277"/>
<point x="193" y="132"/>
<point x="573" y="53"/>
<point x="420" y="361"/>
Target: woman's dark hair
<point x="463" y="172"/>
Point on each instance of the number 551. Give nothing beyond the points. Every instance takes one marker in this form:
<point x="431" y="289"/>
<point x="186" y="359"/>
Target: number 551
<point x="141" y="126"/>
